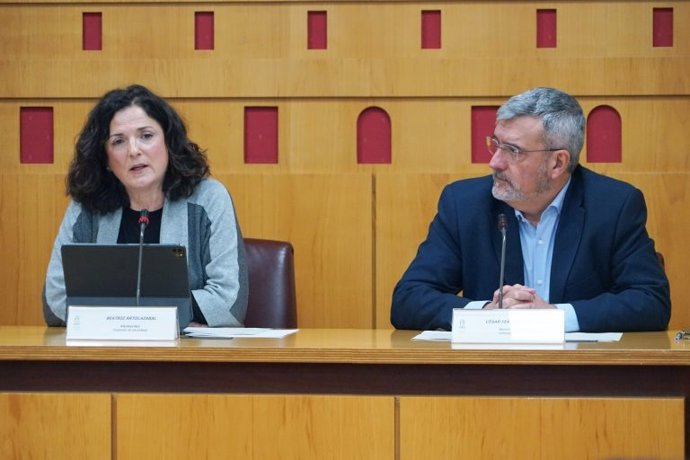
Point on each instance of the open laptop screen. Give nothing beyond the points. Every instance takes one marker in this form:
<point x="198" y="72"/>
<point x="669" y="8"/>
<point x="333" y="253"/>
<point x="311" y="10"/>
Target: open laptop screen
<point x="97" y="274"/>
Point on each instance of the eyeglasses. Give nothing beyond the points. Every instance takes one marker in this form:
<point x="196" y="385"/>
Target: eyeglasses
<point x="514" y="153"/>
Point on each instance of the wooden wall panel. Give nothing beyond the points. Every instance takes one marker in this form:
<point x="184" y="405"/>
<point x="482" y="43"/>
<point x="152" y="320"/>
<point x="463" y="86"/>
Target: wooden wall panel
<point x="405" y="206"/>
<point x="373" y="29"/>
<point x="218" y="127"/>
<point x="413" y="77"/>
<point x="68" y="117"/>
<point x="605" y="29"/>
<point x="60" y="426"/>
<point x="484" y="428"/>
<point x="668" y="202"/>
<point x="653" y="133"/>
<point x="339" y="214"/>
<point x="326" y="217"/>
<point x="328" y="220"/>
<point x="254" y="427"/>
<point x="374" y="50"/>
<point x="611" y="29"/>
<point x="315" y="136"/>
<point x="319" y="135"/>
<point x="329" y="238"/>
<point x="652" y="149"/>
<point x="431" y="135"/>
<point x="31" y="209"/>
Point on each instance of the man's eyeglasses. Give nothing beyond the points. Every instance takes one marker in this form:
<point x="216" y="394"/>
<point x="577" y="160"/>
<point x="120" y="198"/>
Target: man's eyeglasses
<point x="514" y="152"/>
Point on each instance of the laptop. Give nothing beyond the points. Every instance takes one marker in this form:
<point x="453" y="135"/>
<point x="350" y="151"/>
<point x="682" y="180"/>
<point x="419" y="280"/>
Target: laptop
<point x="106" y="275"/>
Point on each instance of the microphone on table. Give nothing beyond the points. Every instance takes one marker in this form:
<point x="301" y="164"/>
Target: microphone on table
<point x="502" y="224"/>
<point x="143" y="221"/>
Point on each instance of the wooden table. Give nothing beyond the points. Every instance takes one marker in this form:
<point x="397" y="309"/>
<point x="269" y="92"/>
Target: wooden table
<point x="323" y="393"/>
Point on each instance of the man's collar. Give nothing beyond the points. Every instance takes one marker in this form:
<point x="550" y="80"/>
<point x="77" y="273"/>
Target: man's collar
<point x="556" y="203"/>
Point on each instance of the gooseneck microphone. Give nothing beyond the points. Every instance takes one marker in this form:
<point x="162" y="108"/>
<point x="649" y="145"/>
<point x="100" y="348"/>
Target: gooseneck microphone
<point x="502" y="223"/>
<point x="143" y="221"/>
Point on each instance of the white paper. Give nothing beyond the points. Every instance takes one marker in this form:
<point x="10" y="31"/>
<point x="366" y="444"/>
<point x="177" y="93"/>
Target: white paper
<point x="593" y="337"/>
<point x="569" y="336"/>
<point x="237" y="332"/>
<point x="443" y="336"/>
<point x="513" y="346"/>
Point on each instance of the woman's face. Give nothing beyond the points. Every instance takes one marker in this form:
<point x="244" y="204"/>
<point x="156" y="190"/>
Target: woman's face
<point x="137" y="153"/>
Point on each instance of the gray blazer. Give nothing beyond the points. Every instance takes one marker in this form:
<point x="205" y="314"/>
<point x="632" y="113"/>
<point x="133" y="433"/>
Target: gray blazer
<point x="205" y="223"/>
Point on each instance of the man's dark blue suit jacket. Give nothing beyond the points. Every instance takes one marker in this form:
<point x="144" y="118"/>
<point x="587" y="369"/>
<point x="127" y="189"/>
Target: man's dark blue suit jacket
<point x="604" y="262"/>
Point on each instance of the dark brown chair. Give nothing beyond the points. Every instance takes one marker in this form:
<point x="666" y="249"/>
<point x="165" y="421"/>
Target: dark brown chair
<point x="272" y="294"/>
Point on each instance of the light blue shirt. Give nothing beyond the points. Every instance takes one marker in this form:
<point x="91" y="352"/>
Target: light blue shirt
<point x="537" y="251"/>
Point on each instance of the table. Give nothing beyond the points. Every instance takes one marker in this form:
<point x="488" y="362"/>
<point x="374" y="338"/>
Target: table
<point x="343" y="393"/>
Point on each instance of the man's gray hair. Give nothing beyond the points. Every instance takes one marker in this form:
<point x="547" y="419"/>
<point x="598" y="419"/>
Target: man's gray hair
<point x="561" y="114"/>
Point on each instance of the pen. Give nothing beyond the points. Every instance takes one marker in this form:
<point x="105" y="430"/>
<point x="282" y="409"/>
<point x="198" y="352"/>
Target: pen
<point x="680" y="335"/>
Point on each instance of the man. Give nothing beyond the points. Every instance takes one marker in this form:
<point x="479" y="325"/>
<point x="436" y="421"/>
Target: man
<point x="576" y="240"/>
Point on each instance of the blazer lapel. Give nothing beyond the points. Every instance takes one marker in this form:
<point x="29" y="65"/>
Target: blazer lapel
<point x="515" y="267"/>
<point x="568" y="235"/>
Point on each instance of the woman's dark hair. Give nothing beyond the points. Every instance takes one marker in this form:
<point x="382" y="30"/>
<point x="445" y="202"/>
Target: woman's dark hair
<point x="90" y="183"/>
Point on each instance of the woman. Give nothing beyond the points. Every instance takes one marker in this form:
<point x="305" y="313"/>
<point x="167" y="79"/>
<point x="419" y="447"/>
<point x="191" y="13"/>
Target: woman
<point x="133" y="154"/>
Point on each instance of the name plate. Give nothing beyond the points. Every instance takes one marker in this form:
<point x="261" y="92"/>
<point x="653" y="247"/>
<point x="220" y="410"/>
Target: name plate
<point x="122" y="323"/>
<point x="508" y="326"/>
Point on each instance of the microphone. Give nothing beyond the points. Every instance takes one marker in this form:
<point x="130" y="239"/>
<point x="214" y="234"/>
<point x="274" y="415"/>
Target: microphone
<point x="143" y="221"/>
<point x="502" y="224"/>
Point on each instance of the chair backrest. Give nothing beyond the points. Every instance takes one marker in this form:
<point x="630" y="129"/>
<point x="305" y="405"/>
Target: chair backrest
<point x="272" y="295"/>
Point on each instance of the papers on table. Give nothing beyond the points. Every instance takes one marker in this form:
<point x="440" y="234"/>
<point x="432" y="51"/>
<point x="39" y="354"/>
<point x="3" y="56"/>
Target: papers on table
<point x="237" y="332"/>
<point x="433" y="336"/>
<point x="444" y="336"/>
<point x="593" y="337"/>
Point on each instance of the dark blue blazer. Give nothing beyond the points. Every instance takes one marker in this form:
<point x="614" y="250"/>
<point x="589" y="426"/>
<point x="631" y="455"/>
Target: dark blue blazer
<point x="604" y="262"/>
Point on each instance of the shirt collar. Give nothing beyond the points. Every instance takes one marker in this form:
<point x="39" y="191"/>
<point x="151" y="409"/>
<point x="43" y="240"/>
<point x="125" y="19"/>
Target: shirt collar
<point x="556" y="204"/>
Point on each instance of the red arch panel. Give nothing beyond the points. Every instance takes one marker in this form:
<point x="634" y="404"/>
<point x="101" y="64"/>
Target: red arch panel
<point x="261" y="135"/>
<point x="547" y="32"/>
<point x="431" y="29"/>
<point x="483" y="123"/>
<point x="203" y="30"/>
<point x="36" y="135"/>
<point x="92" y="32"/>
<point x="662" y="27"/>
<point x="317" y="30"/>
<point x="604" y="143"/>
<point x="373" y="136"/>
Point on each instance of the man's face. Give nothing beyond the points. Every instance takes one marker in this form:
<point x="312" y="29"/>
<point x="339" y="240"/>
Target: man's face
<point x="523" y="177"/>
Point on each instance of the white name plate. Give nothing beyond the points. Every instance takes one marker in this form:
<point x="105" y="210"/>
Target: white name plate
<point x="508" y="326"/>
<point x="122" y="323"/>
